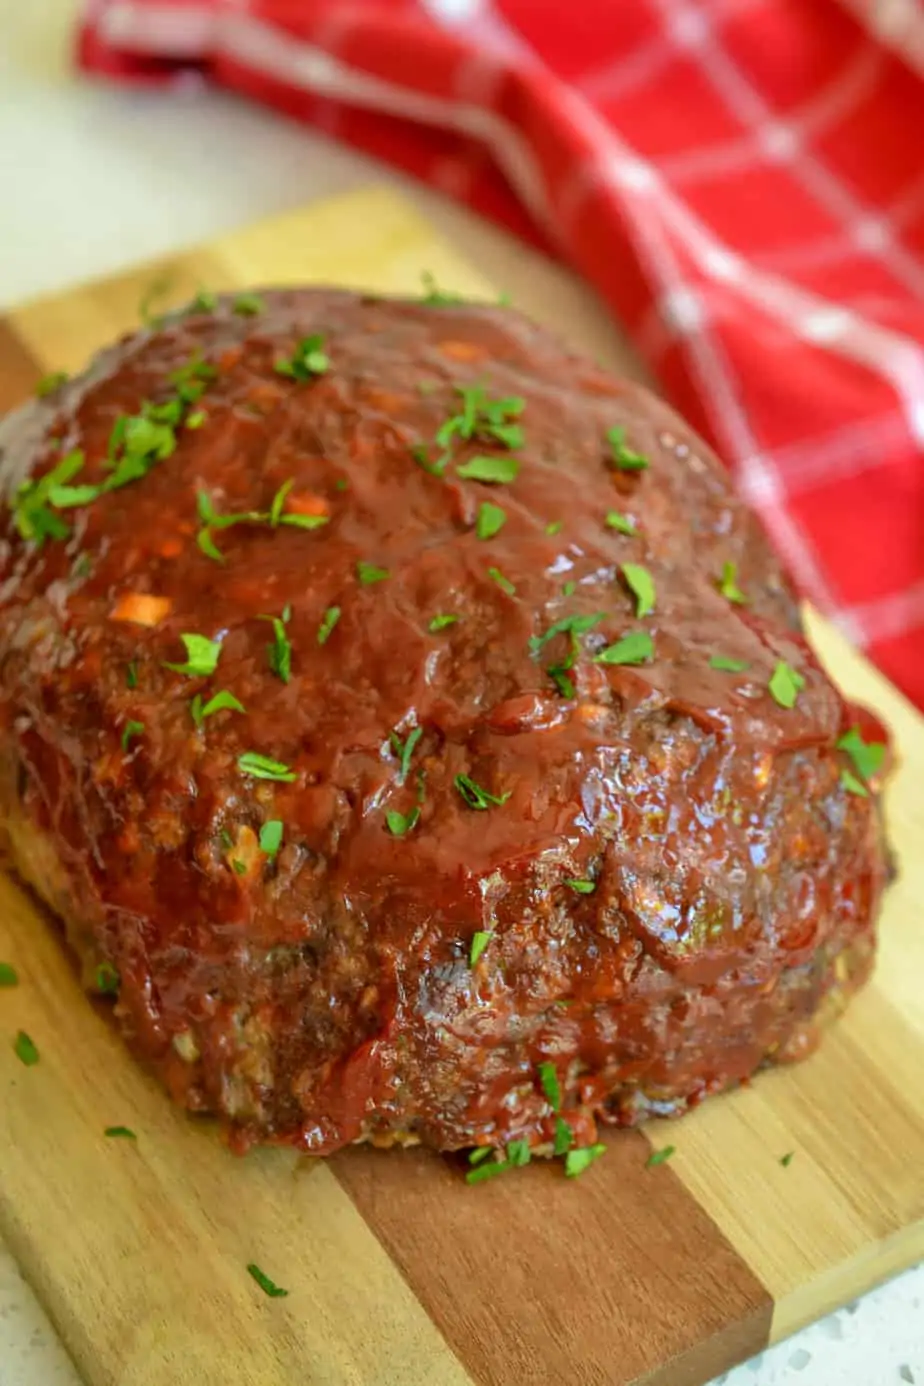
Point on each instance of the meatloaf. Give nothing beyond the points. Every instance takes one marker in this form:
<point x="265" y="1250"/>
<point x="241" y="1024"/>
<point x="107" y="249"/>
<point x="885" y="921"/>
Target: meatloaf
<point x="415" y="733"/>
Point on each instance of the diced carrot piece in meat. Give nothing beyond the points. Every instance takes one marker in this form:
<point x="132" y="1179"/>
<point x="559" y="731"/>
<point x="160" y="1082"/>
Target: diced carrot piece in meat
<point x="306" y="503"/>
<point x="170" y="548"/>
<point x="141" y="608"/>
<point x="463" y="351"/>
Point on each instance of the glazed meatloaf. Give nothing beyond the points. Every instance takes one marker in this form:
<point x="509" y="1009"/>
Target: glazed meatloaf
<point x="415" y="733"/>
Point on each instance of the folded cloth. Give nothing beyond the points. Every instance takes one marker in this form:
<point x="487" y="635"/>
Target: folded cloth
<point x="742" y="180"/>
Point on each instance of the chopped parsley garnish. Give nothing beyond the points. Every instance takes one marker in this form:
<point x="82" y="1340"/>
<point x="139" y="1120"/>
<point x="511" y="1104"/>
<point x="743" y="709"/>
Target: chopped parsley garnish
<point x="204" y="302"/>
<point x="624" y="458"/>
<point x="518" y="1154"/>
<point x="728" y="665"/>
<point x="621" y="523"/>
<point x="401" y="823"/>
<point x="25" y="1049"/>
<point x="32" y="506"/>
<point x="106" y="979"/>
<point x="271" y="837"/>
<point x="441" y="621"/>
<point x="554" y="527"/>
<point x="190" y="378"/>
<point x="475" y="796"/>
<point x="786" y="1160"/>
<point x="220" y="702"/>
<point x="240" y="867"/>
<point x="568" y="625"/>
<point x="276" y="515"/>
<point x="262" y="768"/>
<point x="405" y="751"/>
<point x="328" y="621"/>
<point x="279" y="653"/>
<point x="208" y="546"/>
<point x="658" y="1157"/>
<point x="486" y="1171"/>
<point x="867" y="756"/>
<point x="155" y="290"/>
<point x="493" y="469"/>
<point x="728" y="584"/>
<point x="9" y="977"/>
<point x="503" y="583"/>
<point x="125" y="1132"/>
<point x="562" y="679"/>
<point x="368" y="573"/>
<point x="201" y="656"/>
<point x="563" y="1137"/>
<point x="548" y="1077"/>
<point x="480" y="1153"/>
<point x="131" y="674"/>
<point x="196" y="419"/>
<point x="248" y="305"/>
<point x="581" y="887"/>
<point x="491" y="520"/>
<point x="853" y="785"/>
<point x="51" y="382"/>
<point x="266" y="1285"/>
<point x="785" y="683"/>
<point x="130" y="730"/>
<point x="483" y="417"/>
<point x="576" y="1161"/>
<point x="641" y="584"/>
<point x="568" y="589"/>
<point x="480" y="941"/>
<point x="634" y="648"/>
<point x="226" y="840"/>
<point x="434" y="295"/>
<point x="309" y="359"/>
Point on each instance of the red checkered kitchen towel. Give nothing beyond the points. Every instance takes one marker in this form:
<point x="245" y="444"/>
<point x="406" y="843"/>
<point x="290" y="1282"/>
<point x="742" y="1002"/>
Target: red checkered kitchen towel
<point x="742" y="180"/>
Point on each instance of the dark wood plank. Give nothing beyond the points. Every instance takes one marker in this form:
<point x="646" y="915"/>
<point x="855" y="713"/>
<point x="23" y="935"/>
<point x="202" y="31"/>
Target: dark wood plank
<point x="613" y="1279"/>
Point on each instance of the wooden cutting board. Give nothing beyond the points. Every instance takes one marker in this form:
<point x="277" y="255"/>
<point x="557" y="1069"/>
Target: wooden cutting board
<point x="397" y="1271"/>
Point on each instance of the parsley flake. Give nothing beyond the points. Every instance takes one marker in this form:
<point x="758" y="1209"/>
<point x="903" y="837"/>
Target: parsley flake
<point x="368" y="573"/>
<point x="480" y="941"/>
<point x="785" y="683"/>
<point x="786" y="1160"/>
<point x="223" y="701"/>
<point x="279" y="653"/>
<point x="201" y="656"/>
<point x="271" y="836"/>
<point x="503" y="583"/>
<point x="441" y="620"/>
<point x="401" y="823"/>
<point x="475" y="796"/>
<point x="131" y="674"/>
<point x="328" y="621"/>
<point x="130" y="730"/>
<point x="548" y="1077"/>
<point x="498" y="470"/>
<point x="491" y="520"/>
<point x="568" y="625"/>
<point x="486" y="1171"/>
<point x="563" y="1137"/>
<point x="659" y="1157"/>
<point x="853" y="785"/>
<point x="641" y="584"/>
<point x="576" y="1161"/>
<point x="433" y="295"/>
<point x="25" y="1050"/>
<point x="581" y="887"/>
<point x="9" y="977"/>
<point x="621" y="523"/>
<point x="728" y="585"/>
<point x="554" y="527"/>
<point x="51" y="382"/>
<point x="634" y="648"/>
<point x="33" y="514"/>
<point x="248" y="305"/>
<point x="263" y="768"/>
<point x="624" y="458"/>
<point x="309" y="359"/>
<point x="106" y="979"/>
<point x="204" y="302"/>
<point x="240" y="867"/>
<point x="728" y="665"/>
<point x="266" y="1285"/>
<point x="867" y="756"/>
<point x="405" y="751"/>
<point x="125" y="1132"/>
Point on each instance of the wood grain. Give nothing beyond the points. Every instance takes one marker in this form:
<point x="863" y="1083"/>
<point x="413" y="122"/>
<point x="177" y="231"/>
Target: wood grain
<point x="397" y="1271"/>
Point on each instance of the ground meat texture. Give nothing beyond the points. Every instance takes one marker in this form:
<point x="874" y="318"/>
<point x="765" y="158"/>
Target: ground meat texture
<point x="660" y="874"/>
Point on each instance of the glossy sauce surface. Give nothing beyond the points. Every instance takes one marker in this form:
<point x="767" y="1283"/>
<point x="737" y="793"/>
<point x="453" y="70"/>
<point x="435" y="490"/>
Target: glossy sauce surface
<point x="327" y="993"/>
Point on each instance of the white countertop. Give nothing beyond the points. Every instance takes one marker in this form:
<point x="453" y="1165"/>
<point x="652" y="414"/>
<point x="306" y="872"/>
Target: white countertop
<point x="96" y="178"/>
